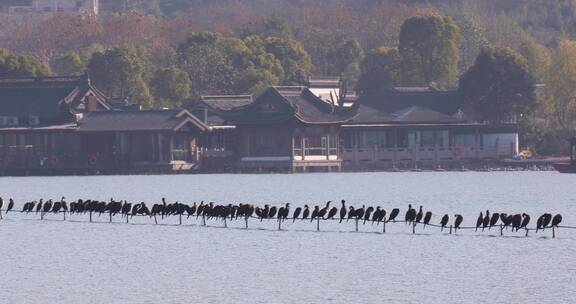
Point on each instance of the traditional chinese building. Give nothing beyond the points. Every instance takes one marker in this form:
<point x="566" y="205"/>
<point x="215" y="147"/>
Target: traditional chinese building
<point x="61" y="125"/>
<point x="285" y="129"/>
<point x="421" y="126"/>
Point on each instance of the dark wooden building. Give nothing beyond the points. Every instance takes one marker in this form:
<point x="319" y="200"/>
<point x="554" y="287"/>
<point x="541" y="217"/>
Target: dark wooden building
<point x="38" y="121"/>
<point x="64" y="125"/>
<point x="287" y="129"/>
<point x="414" y="125"/>
<point x="158" y="140"/>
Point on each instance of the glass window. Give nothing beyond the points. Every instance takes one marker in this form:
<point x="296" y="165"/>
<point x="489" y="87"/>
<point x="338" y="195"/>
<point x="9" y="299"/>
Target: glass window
<point x="464" y="140"/>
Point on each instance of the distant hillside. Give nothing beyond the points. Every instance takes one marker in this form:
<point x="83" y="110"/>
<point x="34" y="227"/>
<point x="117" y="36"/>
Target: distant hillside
<point x="544" y="19"/>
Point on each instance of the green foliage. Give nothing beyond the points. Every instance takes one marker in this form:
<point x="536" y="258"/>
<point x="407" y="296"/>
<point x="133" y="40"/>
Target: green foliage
<point x="217" y="64"/>
<point x="21" y="65"/>
<point x="74" y="63"/>
<point x="380" y="70"/>
<point x="294" y="59"/>
<point x="537" y="57"/>
<point x="171" y="87"/>
<point x="344" y="60"/>
<point x="560" y="89"/>
<point x="255" y="81"/>
<point x="270" y="27"/>
<point x="498" y="85"/>
<point x="430" y="50"/>
<point x="122" y="72"/>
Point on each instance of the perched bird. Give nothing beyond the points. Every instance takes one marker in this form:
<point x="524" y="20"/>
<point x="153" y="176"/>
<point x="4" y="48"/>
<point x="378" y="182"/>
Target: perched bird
<point x="393" y="214"/>
<point x="306" y="212"/>
<point x="332" y="213"/>
<point x="351" y="213"/>
<point x="376" y="214"/>
<point x="367" y="214"/>
<point x="323" y="211"/>
<point x="547" y="219"/>
<point x="359" y="213"/>
<point x="516" y="221"/>
<point x="410" y="215"/>
<point x="444" y="221"/>
<point x="343" y="211"/>
<point x="525" y="221"/>
<point x="486" y="221"/>
<point x="10" y="205"/>
<point x="556" y="220"/>
<point x="419" y="215"/>
<point x="543" y="221"/>
<point x="296" y="214"/>
<point x="479" y="221"/>
<point x="494" y="219"/>
<point x="272" y="212"/>
<point x="315" y="213"/>
<point x="457" y="221"/>
<point x="427" y="218"/>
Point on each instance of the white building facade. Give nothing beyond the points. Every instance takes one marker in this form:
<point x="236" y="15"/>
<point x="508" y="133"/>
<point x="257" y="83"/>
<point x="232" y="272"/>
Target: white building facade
<point x="62" y="6"/>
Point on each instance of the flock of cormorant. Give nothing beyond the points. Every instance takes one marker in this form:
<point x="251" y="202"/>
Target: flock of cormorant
<point x="229" y="212"/>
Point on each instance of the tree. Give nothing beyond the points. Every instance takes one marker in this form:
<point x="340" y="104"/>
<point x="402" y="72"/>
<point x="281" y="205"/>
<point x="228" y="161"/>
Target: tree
<point x="430" y="50"/>
<point x="221" y="65"/>
<point x="380" y="70"/>
<point x="560" y="90"/>
<point x="344" y="59"/>
<point x="206" y="63"/>
<point x="171" y="87"/>
<point x="295" y="60"/>
<point x="255" y="81"/>
<point x="21" y="65"/>
<point x="537" y="57"/>
<point x="498" y="85"/>
<point x="270" y="27"/>
<point x="74" y="63"/>
<point x="122" y="72"/>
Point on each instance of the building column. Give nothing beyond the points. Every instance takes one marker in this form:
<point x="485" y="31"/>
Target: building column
<point x="171" y="147"/>
<point x="292" y="146"/>
<point x="160" y="149"/>
<point x="303" y="139"/>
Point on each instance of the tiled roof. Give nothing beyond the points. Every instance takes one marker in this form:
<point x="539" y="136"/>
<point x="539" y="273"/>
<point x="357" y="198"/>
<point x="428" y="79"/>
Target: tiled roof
<point x="227" y="102"/>
<point x="50" y="98"/>
<point x="410" y="107"/>
<point x="279" y="104"/>
<point x="153" y="120"/>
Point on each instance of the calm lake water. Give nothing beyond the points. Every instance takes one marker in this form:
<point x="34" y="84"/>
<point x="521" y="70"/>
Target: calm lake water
<point x="75" y="261"/>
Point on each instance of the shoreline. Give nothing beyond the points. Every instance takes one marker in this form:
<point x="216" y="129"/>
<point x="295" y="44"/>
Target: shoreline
<point x="498" y="166"/>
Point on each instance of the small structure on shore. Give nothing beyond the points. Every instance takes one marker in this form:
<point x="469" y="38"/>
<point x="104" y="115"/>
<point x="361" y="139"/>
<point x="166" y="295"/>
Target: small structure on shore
<point x="569" y="167"/>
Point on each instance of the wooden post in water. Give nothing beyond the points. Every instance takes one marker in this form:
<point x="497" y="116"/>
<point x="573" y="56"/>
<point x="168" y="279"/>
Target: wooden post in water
<point x="318" y="223"/>
<point x="450" y="229"/>
<point x="41" y="215"/>
<point x="553" y="232"/>
<point x="180" y="219"/>
<point x="279" y="224"/>
<point x="356" y="224"/>
<point x="64" y="213"/>
<point x="246" y="222"/>
<point x="225" y="223"/>
<point x="155" y="219"/>
<point x="90" y="216"/>
<point x="414" y="228"/>
<point x="110" y="214"/>
<point x="501" y="230"/>
<point x="203" y="220"/>
<point x="127" y="218"/>
<point x="384" y="227"/>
